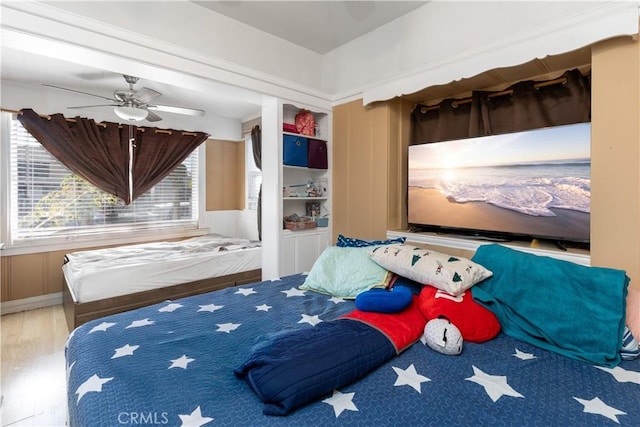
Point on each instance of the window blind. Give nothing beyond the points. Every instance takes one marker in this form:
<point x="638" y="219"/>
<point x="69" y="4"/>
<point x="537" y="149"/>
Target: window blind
<point x="47" y="199"/>
<point x="253" y="176"/>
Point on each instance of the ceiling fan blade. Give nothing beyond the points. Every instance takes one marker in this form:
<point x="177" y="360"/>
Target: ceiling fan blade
<point x="91" y="106"/>
<point x="176" y="110"/>
<point x="146" y="95"/>
<point x="153" y="117"/>
<point x="78" y="91"/>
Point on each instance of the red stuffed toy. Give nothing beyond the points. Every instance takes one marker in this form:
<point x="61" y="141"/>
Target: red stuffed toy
<point x="475" y="322"/>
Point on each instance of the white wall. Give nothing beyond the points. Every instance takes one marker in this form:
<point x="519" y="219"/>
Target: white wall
<point x="447" y="40"/>
<point x="435" y="44"/>
<point x="241" y="223"/>
<point x="189" y="26"/>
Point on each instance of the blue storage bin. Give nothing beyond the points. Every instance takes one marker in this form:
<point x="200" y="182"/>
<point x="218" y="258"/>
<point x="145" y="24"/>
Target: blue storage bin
<point x="295" y="149"/>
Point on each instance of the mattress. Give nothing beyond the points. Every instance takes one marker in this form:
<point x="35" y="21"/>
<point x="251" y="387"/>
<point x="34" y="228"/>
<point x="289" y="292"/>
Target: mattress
<point x="173" y="363"/>
<point x="104" y="273"/>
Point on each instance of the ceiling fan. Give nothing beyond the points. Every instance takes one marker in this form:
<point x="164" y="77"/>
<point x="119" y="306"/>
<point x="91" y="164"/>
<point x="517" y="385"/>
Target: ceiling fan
<point x="135" y="105"/>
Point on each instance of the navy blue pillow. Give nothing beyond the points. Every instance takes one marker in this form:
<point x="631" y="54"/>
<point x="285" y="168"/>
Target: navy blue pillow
<point x="414" y="286"/>
<point x="384" y="301"/>
<point x="346" y="242"/>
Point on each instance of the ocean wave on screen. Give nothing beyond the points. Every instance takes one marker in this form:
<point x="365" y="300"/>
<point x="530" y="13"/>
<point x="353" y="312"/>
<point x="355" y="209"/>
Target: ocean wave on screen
<point x="524" y="193"/>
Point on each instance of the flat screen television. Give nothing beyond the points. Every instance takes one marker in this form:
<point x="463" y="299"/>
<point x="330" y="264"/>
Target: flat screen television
<point x="524" y="185"/>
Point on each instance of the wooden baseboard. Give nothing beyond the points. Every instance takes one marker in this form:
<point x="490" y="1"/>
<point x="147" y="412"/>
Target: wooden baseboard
<point x="30" y="303"/>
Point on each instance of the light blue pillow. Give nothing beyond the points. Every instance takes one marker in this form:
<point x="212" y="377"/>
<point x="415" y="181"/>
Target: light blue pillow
<point x="345" y="272"/>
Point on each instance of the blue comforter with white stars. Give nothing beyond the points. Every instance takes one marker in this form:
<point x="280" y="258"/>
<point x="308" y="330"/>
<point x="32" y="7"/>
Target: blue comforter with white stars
<point x="172" y="364"/>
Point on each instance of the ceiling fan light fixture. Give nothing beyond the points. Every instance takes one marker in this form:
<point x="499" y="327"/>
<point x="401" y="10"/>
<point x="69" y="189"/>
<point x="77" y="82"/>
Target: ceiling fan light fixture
<point x="131" y="114"/>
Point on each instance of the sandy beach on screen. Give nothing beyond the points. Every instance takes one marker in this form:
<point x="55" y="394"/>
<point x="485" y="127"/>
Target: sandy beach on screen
<point x="429" y="206"/>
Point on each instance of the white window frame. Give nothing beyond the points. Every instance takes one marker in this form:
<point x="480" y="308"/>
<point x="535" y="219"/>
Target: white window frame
<point x="122" y="235"/>
<point x="251" y="171"/>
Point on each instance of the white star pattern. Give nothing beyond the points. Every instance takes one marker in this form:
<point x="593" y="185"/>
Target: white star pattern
<point x="125" y="350"/>
<point x="102" y="327"/>
<point x="294" y="292"/>
<point x="227" y="327"/>
<point x="522" y="355"/>
<point x="622" y="375"/>
<point x="312" y="320"/>
<point x="409" y="377"/>
<point x="93" y="384"/>
<point x="194" y="419"/>
<point x="610" y="394"/>
<point x="245" y="291"/>
<point x="341" y="402"/>
<point x="181" y="362"/>
<point x="170" y="308"/>
<point x="495" y="385"/>
<point x="597" y="406"/>
<point x="210" y="307"/>
<point x="140" y="323"/>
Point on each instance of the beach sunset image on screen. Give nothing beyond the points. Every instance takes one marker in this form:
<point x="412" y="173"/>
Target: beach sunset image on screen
<point x="534" y="183"/>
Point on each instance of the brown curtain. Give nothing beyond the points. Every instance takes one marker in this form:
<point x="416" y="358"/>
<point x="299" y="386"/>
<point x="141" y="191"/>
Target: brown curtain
<point x="158" y="152"/>
<point x="449" y="120"/>
<point x="524" y="105"/>
<point x="99" y="152"/>
<point x="531" y="107"/>
<point x="256" y="144"/>
<point x="95" y="152"/>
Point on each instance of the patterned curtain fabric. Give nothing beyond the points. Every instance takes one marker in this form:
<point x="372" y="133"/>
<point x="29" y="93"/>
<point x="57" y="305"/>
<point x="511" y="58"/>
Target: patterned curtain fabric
<point x="99" y="152"/>
<point x="528" y="106"/>
<point x="256" y="143"/>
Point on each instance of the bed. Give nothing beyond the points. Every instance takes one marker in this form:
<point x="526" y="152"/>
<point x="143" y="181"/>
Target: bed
<point x="111" y="280"/>
<point x="182" y="362"/>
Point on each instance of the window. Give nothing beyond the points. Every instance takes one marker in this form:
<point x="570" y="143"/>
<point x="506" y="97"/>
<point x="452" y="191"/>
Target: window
<point x="47" y="200"/>
<point x="254" y="175"/>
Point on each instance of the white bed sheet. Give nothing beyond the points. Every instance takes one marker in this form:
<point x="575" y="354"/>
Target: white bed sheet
<point x="104" y="273"/>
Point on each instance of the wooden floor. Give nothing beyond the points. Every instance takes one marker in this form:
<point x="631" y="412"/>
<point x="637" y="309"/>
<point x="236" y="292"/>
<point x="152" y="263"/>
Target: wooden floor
<point x="33" y="368"/>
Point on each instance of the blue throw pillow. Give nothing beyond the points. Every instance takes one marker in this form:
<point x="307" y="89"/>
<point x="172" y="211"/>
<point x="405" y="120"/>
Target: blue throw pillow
<point x="346" y="242"/>
<point x="385" y="301"/>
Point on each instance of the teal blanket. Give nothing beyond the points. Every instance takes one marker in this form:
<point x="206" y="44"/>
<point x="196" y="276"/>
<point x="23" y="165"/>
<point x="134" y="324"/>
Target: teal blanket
<point x="560" y="306"/>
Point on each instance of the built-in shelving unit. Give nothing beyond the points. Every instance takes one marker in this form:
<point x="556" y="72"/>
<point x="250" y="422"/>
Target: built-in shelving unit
<point x="293" y="190"/>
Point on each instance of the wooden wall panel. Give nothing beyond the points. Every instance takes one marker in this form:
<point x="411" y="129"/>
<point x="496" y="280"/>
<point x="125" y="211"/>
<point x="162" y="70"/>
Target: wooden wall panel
<point x="615" y="156"/>
<point x="53" y="277"/>
<point x="362" y="138"/>
<point x="4" y="278"/>
<point x="368" y="171"/>
<point x="225" y="183"/>
<point x="26" y="276"/>
<point x="340" y="163"/>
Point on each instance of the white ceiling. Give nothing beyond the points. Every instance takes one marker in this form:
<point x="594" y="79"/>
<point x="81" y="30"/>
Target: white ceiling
<point x="320" y="26"/>
<point x="316" y="25"/>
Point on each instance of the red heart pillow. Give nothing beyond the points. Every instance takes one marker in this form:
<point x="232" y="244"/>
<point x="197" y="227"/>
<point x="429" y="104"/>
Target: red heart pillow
<point x="475" y="322"/>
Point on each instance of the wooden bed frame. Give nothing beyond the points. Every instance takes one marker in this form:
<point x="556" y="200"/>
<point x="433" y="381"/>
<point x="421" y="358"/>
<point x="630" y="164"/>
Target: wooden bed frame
<point x="79" y="313"/>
